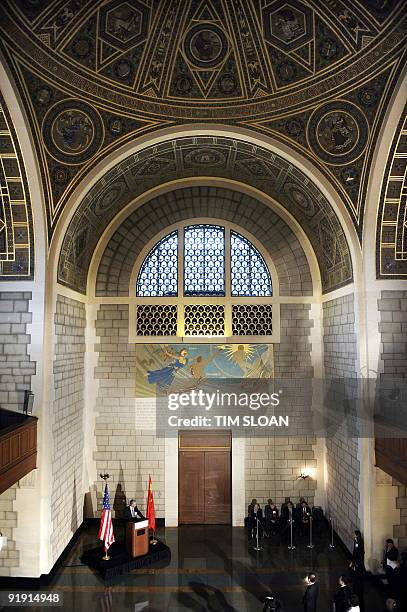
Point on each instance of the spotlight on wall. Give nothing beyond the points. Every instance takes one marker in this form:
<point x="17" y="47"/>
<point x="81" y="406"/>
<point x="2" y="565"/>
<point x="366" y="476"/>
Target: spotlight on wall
<point x="28" y="402"/>
<point x="305" y="473"/>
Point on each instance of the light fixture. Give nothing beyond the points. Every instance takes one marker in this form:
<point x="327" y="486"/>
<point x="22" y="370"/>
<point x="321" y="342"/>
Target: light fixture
<point x="306" y="473"/>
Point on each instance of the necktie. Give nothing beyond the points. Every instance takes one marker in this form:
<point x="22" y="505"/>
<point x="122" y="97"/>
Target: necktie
<point x="132" y="511"/>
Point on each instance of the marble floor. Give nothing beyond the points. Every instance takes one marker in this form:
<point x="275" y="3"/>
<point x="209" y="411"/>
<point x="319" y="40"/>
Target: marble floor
<point x="212" y="568"/>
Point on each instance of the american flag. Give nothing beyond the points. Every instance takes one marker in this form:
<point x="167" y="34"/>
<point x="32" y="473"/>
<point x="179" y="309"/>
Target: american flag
<point x="106" y="525"/>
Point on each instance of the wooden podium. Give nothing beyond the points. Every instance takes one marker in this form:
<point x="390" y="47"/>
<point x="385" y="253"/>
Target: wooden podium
<point x="137" y="538"/>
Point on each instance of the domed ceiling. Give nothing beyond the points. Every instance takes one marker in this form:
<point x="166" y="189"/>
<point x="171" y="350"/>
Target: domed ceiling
<point x="94" y="74"/>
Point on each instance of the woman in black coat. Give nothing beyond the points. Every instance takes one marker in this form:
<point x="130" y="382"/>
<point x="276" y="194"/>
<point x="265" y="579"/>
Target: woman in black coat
<point x="358" y="555"/>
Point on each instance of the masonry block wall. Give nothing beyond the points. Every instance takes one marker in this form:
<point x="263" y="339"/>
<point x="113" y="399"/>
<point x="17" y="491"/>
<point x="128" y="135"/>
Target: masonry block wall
<point x="400" y="530"/>
<point x="67" y="422"/>
<point x="340" y="362"/>
<point x="129" y="454"/>
<point x="393" y="329"/>
<point x="9" y="556"/>
<point x="392" y="307"/>
<point x="273" y="464"/>
<point x="16" y="366"/>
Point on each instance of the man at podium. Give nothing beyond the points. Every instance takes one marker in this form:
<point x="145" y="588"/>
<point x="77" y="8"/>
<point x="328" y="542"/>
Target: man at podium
<point x="132" y="512"/>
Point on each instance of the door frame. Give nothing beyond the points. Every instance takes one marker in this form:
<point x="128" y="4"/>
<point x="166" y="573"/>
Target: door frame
<point x="238" y="481"/>
<point x="224" y="444"/>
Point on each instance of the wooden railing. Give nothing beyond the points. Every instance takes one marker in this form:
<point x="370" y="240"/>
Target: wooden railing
<point x="18" y="447"/>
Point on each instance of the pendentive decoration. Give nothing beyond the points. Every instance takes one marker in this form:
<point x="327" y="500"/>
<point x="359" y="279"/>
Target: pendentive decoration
<point x="338" y="132"/>
<point x="72" y="131"/>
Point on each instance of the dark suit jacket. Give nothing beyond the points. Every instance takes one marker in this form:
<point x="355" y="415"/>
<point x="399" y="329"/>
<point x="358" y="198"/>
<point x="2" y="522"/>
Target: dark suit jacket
<point x="259" y="515"/>
<point x="358" y="551"/>
<point x="311" y="597"/>
<point x="127" y="514"/>
<point x="392" y="555"/>
<point x="268" y="512"/>
<point x="301" y="514"/>
<point x="285" y="514"/>
<point x="342" y="599"/>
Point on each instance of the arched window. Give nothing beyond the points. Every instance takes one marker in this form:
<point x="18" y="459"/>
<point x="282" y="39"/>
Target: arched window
<point x="205" y="280"/>
<point x="159" y="273"/>
<point x="249" y="273"/>
<point x="204" y="265"/>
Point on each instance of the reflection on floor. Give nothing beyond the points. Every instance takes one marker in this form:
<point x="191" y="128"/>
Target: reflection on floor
<point x="212" y="568"/>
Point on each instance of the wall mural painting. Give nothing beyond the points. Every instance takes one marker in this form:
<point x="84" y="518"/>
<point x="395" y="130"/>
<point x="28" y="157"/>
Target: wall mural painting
<point x="173" y="368"/>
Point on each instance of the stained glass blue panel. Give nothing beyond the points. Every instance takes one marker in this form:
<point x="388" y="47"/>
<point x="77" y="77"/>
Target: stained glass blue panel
<point x="204" y="260"/>
<point x="158" y="275"/>
<point x="249" y="273"/>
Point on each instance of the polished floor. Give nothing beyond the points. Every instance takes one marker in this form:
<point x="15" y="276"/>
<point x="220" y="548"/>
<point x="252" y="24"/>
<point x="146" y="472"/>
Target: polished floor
<point x="212" y="568"/>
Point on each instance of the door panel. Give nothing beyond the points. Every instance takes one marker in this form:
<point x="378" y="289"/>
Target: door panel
<point x="204" y="487"/>
<point x="191" y="487"/>
<point x="217" y="488"/>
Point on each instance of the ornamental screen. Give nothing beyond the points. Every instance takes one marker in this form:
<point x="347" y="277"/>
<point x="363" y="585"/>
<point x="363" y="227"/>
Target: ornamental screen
<point x="204" y="260"/>
<point x="158" y="275"/>
<point x="249" y="274"/>
<point x="205" y="257"/>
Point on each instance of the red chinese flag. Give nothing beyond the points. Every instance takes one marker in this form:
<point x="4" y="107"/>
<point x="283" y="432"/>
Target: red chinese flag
<point x="150" y="506"/>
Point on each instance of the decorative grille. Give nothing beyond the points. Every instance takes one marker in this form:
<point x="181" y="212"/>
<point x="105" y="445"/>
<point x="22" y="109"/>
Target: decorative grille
<point x="252" y="320"/>
<point x="204" y="320"/>
<point x="156" y="320"/>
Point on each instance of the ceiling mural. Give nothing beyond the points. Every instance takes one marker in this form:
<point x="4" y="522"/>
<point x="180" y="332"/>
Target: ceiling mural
<point x="94" y="74"/>
<point x="391" y="256"/>
<point x="203" y="156"/>
<point x="16" y="227"/>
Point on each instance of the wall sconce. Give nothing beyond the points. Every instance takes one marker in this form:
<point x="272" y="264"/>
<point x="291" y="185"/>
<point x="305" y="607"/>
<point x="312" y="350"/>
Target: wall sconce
<point x="306" y="473"/>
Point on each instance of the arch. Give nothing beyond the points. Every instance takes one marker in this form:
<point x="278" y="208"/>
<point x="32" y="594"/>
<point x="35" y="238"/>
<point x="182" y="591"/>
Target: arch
<point x="273" y="235"/>
<point x="391" y="230"/>
<point x="224" y="158"/>
<point x="16" y="219"/>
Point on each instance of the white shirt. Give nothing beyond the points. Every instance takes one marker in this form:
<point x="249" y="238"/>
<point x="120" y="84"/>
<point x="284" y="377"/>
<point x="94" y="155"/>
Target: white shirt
<point x="133" y="514"/>
<point x="354" y="609"/>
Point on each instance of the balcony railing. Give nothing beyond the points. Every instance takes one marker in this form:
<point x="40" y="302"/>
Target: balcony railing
<point x="18" y="447"/>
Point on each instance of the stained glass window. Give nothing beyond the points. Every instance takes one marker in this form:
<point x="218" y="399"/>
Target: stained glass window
<point x="249" y="274"/>
<point x="158" y="275"/>
<point x="204" y="260"/>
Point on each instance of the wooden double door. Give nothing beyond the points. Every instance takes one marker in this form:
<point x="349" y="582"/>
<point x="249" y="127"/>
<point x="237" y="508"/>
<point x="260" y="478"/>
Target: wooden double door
<point x="204" y="478"/>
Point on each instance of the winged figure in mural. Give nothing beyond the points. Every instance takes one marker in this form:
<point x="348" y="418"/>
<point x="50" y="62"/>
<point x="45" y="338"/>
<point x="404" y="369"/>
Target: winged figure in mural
<point x="164" y="377"/>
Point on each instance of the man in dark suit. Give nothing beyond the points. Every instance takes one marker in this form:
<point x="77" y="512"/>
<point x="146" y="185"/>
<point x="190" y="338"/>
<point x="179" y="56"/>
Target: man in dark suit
<point x="342" y="596"/>
<point x="271" y="517"/>
<point x="132" y="512"/>
<point x="390" y="558"/>
<point x="303" y="514"/>
<point x="256" y="515"/>
<point x="310" y="597"/>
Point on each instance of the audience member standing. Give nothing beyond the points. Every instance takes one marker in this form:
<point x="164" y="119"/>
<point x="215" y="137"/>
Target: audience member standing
<point x="358" y="554"/>
<point x="310" y="597"/>
<point x="342" y="596"/>
<point x="390" y="558"/>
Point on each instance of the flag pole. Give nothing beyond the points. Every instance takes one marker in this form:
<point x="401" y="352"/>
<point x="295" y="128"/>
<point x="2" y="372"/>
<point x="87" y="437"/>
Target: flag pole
<point x="105" y="477"/>
<point x="150" y="509"/>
